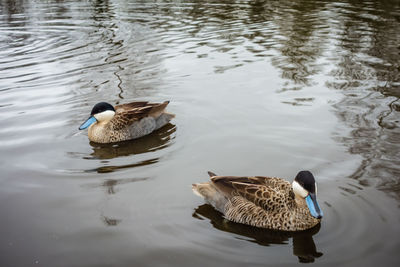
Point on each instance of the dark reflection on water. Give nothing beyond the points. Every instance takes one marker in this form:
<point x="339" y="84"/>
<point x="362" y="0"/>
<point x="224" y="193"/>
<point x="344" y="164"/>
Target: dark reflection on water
<point x="303" y="244"/>
<point x="158" y="140"/>
<point x="110" y="184"/>
<point x="367" y="71"/>
<point x="113" y="168"/>
<point x="153" y="142"/>
<point x="110" y="221"/>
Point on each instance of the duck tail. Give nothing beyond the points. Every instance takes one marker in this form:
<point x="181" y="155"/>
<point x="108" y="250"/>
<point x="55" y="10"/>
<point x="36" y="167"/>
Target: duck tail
<point x="201" y="189"/>
<point x="159" y="109"/>
<point x="211" y="174"/>
<point x="204" y="189"/>
<point x="169" y="116"/>
<point x="210" y="194"/>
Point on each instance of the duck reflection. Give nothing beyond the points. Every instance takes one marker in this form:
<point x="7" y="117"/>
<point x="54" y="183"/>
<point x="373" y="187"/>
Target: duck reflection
<point x="155" y="141"/>
<point x="303" y="244"/>
<point x="150" y="143"/>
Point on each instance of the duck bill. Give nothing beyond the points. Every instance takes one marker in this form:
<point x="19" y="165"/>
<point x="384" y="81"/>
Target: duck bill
<point x="313" y="206"/>
<point x="87" y="123"/>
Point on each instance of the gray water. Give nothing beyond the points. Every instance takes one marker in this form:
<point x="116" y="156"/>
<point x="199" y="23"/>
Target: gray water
<point x="258" y="88"/>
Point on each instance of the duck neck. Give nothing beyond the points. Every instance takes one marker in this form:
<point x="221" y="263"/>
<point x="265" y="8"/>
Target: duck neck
<point x="104" y="117"/>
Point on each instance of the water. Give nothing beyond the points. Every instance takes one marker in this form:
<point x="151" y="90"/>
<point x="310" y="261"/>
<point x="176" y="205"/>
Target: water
<point x="258" y="87"/>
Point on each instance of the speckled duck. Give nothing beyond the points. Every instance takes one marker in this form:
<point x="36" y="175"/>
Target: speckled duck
<point x="266" y="202"/>
<point x="108" y="124"/>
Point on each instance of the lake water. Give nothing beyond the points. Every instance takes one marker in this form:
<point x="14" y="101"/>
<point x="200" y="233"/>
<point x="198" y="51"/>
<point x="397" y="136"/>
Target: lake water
<point x="258" y="88"/>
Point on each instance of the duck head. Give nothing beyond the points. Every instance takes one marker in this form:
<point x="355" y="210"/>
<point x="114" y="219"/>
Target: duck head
<point x="304" y="186"/>
<point x="101" y="112"/>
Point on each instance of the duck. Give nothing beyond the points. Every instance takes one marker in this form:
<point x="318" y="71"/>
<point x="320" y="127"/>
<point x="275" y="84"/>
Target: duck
<point x="264" y="202"/>
<point x="109" y="124"/>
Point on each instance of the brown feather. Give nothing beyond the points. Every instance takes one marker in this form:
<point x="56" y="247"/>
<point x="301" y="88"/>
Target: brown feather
<point x="260" y="201"/>
<point x="158" y="109"/>
<point x="125" y="118"/>
<point x="131" y="120"/>
<point x="130" y="106"/>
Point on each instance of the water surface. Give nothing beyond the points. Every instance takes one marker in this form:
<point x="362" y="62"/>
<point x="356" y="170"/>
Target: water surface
<point x="258" y="87"/>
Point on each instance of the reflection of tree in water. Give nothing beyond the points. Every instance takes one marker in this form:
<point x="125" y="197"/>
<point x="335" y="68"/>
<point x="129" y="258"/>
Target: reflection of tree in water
<point x="10" y="9"/>
<point x="130" y="67"/>
<point x="300" y="43"/>
<point x="249" y="32"/>
<point x="303" y="244"/>
<point x="368" y="73"/>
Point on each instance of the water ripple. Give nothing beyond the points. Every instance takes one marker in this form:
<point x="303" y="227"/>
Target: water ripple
<point x="254" y="84"/>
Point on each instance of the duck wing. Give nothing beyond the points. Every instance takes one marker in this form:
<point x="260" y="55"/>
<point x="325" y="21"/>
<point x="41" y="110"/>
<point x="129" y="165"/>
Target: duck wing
<point x="126" y="114"/>
<point x="156" y="108"/>
<point x="124" y="118"/>
<point x="130" y="106"/>
<point x="268" y="193"/>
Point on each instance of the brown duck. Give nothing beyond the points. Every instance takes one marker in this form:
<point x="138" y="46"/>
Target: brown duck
<point x="266" y="202"/>
<point x="108" y="124"/>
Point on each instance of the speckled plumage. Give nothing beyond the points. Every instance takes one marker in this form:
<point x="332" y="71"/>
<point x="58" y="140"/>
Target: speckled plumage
<point x="132" y="120"/>
<point x="258" y="201"/>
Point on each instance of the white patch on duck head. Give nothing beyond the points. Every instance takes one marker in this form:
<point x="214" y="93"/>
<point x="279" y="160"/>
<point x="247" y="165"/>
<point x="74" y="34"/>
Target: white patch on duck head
<point x="299" y="190"/>
<point x="104" y="116"/>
